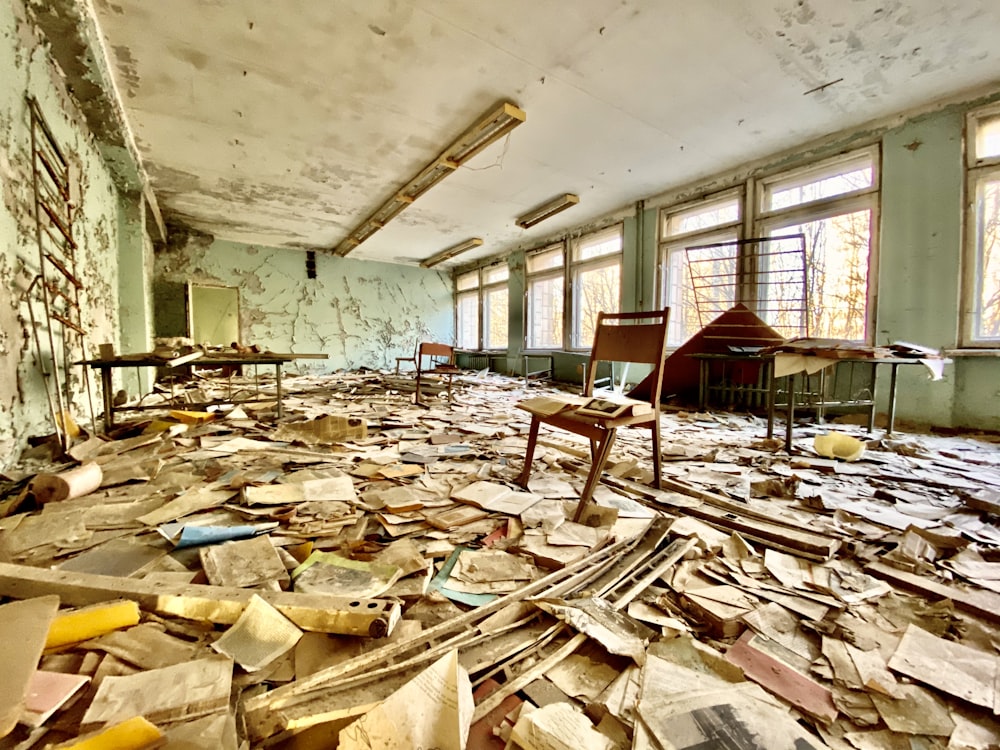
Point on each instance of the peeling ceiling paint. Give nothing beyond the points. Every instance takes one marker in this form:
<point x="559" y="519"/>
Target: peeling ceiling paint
<point x="287" y="123"/>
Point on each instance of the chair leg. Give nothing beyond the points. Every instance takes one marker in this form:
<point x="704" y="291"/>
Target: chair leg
<point x="596" y="469"/>
<point x="657" y="455"/>
<point x="529" y="455"/>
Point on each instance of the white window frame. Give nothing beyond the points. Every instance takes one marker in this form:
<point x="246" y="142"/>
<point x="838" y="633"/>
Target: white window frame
<point x="978" y="170"/>
<point x="533" y="277"/>
<point x="868" y="198"/>
<point x="671" y="243"/>
<point x="575" y="268"/>
<point x="485" y="288"/>
<point x="476" y="293"/>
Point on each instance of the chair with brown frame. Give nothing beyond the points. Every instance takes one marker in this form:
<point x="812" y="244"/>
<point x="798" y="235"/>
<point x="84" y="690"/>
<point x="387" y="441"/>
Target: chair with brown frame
<point x="436" y="361"/>
<point x="639" y="337"/>
<point x="412" y="358"/>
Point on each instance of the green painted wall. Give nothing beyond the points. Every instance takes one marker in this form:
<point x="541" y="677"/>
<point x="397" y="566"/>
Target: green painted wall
<point x="26" y="69"/>
<point x="135" y="273"/>
<point x="920" y="254"/>
<point x="361" y="314"/>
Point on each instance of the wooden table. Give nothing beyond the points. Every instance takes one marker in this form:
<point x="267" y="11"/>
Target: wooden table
<point x="107" y="365"/>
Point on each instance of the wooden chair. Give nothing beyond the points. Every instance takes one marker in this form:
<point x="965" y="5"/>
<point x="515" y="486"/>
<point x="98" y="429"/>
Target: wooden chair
<point x="436" y="361"/>
<point x="412" y="358"/>
<point x="639" y="337"/>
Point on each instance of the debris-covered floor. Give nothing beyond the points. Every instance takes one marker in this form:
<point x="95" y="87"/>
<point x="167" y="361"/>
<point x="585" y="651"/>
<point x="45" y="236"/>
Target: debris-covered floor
<point x="366" y="573"/>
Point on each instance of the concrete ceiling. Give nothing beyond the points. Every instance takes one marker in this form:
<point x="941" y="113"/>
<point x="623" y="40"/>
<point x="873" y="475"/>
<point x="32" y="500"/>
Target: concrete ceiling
<point x="287" y="123"/>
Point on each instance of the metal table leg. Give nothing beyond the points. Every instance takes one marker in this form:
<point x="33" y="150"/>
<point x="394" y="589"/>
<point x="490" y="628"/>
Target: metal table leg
<point x="109" y="401"/>
<point x="790" y="417"/>
<point x="277" y="380"/>
<point x="892" y="398"/>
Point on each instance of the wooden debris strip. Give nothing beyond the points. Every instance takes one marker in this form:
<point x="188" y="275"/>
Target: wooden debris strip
<point x="364" y="572"/>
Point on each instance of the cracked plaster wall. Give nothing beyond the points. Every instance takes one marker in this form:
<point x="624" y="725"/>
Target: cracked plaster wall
<point x="26" y="68"/>
<point x="360" y="313"/>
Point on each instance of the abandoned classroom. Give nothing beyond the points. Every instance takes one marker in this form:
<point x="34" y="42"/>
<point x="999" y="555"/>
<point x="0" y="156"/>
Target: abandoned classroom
<point x="606" y="374"/>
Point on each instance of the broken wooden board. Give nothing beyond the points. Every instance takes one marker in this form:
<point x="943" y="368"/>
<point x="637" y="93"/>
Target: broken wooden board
<point x="729" y="515"/>
<point x="780" y="679"/>
<point x="317" y="612"/>
<point x="985" y="604"/>
<point x="23" y="630"/>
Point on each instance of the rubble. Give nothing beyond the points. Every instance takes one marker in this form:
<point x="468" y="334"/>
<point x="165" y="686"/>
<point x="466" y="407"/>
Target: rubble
<point x="367" y="572"/>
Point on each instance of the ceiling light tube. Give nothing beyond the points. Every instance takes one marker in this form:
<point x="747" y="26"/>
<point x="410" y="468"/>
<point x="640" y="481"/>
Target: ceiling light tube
<point x="546" y="210"/>
<point x="488" y="129"/>
<point x="451" y="252"/>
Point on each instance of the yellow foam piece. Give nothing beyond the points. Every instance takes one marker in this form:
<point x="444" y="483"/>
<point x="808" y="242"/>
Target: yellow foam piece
<point x="132" y="734"/>
<point x="192" y="417"/>
<point x="85" y="623"/>
<point x="839" y="445"/>
<point x="158" y="425"/>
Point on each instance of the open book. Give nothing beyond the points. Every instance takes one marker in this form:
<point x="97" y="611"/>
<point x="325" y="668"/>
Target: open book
<point x="612" y="405"/>
<point x="605" y="405"/>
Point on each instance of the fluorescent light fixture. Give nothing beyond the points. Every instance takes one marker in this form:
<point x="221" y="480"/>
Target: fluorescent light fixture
<point x="488" y="129"/>
<point x="546" y="210"/>
<point x="451" y="252"/>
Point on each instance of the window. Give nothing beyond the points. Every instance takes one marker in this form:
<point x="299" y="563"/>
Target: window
<point x="545" y="298"/>
<point x="833" y="204"/>
<point x="494" y="285"/>
<point x="983" y="227"/>
<point x="467" y="310"/>
<point x="481" y="308"/>
<point x="708" y="221"/>
<point x="595" y="276"/>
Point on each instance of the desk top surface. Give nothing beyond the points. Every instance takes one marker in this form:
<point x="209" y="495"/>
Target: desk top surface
<point x="143" y="360"/>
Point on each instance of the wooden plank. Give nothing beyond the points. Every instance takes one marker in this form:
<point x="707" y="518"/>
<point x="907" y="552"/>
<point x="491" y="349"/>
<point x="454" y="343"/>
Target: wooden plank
<point x="317" y="612"/>
<point x="985" y="604"/>
<point x="23" y="628"/>
<point x="731" y="516"/>
<point x="780" y="679"/>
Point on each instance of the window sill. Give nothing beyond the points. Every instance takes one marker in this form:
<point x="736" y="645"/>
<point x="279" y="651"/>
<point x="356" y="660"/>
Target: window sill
<point x="971" y="352"/>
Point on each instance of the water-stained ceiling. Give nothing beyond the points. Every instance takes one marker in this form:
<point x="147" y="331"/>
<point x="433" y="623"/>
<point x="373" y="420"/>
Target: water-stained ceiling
<point x="287" y="123"/>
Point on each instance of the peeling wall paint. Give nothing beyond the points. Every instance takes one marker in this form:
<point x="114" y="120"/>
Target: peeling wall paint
<point x="26" y="68"/>
<point x="360" y="313"/>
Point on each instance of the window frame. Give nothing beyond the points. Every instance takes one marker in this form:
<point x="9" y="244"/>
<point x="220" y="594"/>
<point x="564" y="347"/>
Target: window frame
<point x="978" y="169"/>
<point x="460" y="294"/>
<point x="669" y="243"/>
<point x="547" y="274"/>
<point x="485" y="287"/>
<point x="766" y="221"/>
<point x="574" y="268"/>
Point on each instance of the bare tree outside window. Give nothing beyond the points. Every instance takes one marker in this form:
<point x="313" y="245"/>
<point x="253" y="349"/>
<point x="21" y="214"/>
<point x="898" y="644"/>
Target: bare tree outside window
<point x="988" y="323"/>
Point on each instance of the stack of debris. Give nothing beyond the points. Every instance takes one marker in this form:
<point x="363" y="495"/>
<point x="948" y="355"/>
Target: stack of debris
<point x="366" y="574"/>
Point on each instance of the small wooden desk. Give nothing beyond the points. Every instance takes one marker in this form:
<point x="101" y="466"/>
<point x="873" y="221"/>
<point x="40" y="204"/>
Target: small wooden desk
<point x="143" y="360"/>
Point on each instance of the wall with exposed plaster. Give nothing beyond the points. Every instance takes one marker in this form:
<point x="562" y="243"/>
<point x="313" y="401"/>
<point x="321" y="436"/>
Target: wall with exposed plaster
<point x="26" y="68"/>
<point x="360" y="313"/>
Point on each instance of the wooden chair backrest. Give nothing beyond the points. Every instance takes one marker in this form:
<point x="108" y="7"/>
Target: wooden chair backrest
<point x="434" y="350"/>
<point x="639" y="337"/>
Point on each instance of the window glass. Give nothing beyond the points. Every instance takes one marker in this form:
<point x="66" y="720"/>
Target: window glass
<point x="545" y="261"/>
<point x="468" y="320"/>
<point x="988" y="137"/>
<point x="831" y="180"/>
<point x="494" y="274"/>
<point x="545" y="312"/>
<point x="467" y="281"/>
<point x="598" y="246"/>
<point x="596" y="288"/>
<point x="677" y="291"/>
<point x="986" y="313"/>
<point x="703" y="216"/>
<point x="837" y="263"/>
<point x="495" y="318"/>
